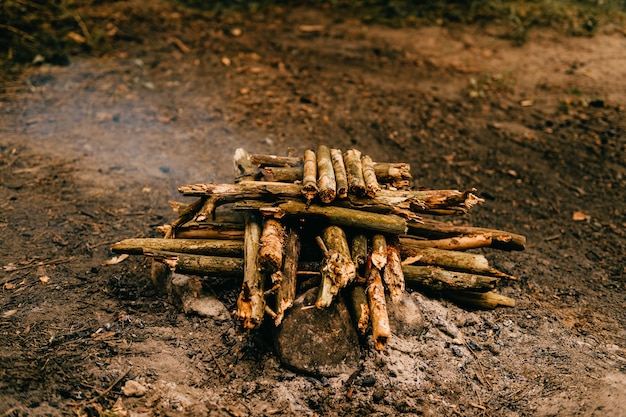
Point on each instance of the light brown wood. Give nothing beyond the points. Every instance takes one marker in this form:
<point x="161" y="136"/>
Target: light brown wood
<point x="381" y="331"/>
<point x="393" y="276"/>
<point x="309" y="175"/>
<point x="326" y="184"/>
<point x="251" y="301"/>
<point x="271" y="251"/>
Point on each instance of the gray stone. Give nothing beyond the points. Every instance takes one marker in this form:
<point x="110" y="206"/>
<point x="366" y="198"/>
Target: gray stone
<point x="405" y="316"/>
<point x="187" y="294"/>
<point x="318" y="341"/>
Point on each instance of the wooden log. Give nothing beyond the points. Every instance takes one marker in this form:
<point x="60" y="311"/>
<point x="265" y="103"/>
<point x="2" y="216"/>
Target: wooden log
<point x="339" y="216"/>
<point x="393" y="276"/>
<point x="271" y="251"/>
<point x="500" y="239"/>
<point x="275" y="160"/>
<point x="337" y="269"/>
<point x="326" y="184"/>
<point x="451" y="260"/>
<point x="358" y="251"/>
<point x="341" y="177"/>
<point x="381" y="331"/>
<point x="396" y="174"/>
<point x="453" y="243"/>
<point x="379" y="251"/>
<point x="204" y="231"/>
<point x="287" y="291"/>
<point x="309" y="176"/>
<point x="244" y="168"/>
<point x="282" y="174"/>
<point x="184" y="216"/>
<point x="229" y="193"/>
<point x="185" y="263"/>
<point x="487" y="300"/>
<point x="213" y="247"/>
<point x="439" y="279"/>
<point x="251" y="301"/>
<point x="369" y="176"/>
<point x="357" y="302"/>
<point x="354" y="169"/>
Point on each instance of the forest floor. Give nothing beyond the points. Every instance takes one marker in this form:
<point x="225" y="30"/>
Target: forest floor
<point x="91" y="153"/>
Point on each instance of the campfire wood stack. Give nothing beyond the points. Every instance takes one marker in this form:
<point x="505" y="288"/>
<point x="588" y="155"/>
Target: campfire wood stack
<point x="340" y="220"/>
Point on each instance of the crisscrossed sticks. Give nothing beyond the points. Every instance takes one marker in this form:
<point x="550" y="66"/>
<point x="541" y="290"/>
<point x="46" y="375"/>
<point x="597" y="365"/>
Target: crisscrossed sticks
<point x="402" y="202"/>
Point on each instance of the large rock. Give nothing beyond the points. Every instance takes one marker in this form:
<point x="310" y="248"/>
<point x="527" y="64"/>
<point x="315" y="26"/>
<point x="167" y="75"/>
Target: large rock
<point x="319" y="342"/>
<point x="405" y="316"/>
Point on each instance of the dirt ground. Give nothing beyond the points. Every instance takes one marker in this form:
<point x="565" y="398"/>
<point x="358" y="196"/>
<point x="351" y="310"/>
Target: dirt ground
<point x="91" y="153"/>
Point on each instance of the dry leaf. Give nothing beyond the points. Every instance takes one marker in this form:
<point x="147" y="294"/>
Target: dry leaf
<point x="580" y="216"/>
<point x="411" y="260"/>
<point x="116" y="259"/>
<point x="8" y="313"/>
<point x="9" y="267"/>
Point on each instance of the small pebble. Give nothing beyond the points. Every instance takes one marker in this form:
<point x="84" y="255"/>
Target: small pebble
<point x="134" y="389"/>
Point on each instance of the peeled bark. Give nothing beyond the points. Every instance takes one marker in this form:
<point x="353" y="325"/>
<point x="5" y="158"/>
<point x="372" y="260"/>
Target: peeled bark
<point x="251" y="301"/>
<point x="369" y="176"/>
<point x="309" y="176"/>
<point x="271" y="252"/>
<point x="337" y="270"/>
<point x="286" y="293"/>
<point x="381" y="330"/>
<point x="393" y="276"/>
<point x="326" y="184"/>
<point x="341" y="177"/>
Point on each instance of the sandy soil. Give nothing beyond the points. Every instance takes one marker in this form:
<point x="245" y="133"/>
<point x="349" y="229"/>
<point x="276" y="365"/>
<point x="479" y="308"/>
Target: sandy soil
<point x="91" y="153"/>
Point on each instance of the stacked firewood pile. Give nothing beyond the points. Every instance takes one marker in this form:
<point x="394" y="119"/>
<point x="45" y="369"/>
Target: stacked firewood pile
<point x="339" y="221"/>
